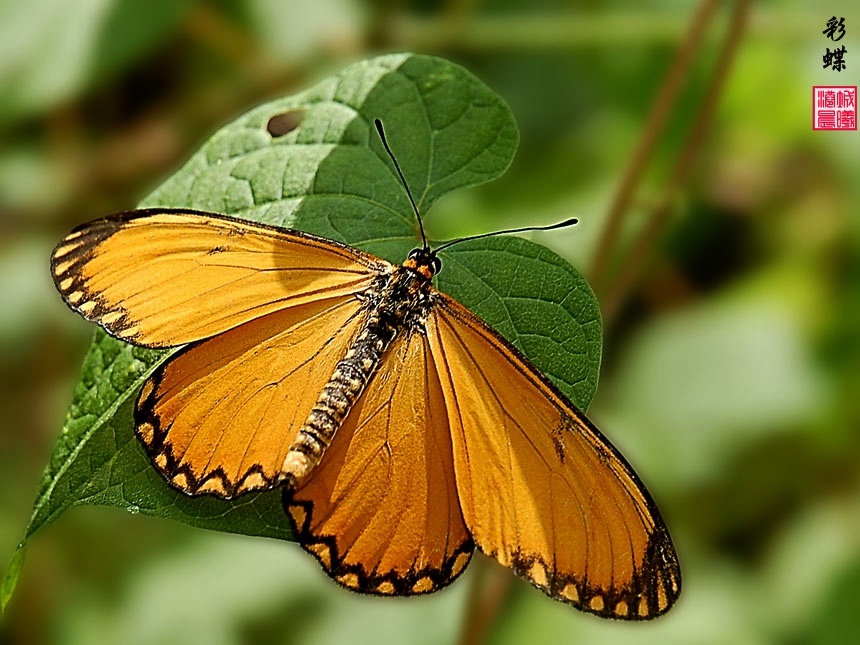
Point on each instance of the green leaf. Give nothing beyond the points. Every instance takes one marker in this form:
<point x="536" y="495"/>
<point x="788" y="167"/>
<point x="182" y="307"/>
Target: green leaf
<point x="330" y="175"/>
<point x="10" y="578"/>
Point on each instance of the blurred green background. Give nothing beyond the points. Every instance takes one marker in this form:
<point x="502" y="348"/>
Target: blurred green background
<point x="731" y="366"/>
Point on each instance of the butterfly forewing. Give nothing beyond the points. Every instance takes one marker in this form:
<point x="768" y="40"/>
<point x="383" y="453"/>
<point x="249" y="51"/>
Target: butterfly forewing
<point x="381" y="511"/>
<point x="220" y="415"/>
<point x="542" y="491"/>
<point x="162" y="278"/>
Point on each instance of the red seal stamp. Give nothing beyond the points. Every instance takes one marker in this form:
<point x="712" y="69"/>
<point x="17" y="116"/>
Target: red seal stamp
<point x="834" y="107"/>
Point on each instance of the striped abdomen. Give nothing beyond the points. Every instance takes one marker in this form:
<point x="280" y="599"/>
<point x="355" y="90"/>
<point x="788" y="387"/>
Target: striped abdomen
<point x="399" y="301"/>
<point x="346" y="384"/>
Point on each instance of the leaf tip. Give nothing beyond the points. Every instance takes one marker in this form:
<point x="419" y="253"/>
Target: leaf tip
<point x="10" y="578"/>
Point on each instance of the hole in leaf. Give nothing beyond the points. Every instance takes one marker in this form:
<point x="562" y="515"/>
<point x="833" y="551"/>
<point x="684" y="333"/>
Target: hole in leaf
<point x="284" y="123"/>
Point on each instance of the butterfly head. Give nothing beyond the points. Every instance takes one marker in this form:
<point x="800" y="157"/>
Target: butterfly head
<point x="424" y="262"/>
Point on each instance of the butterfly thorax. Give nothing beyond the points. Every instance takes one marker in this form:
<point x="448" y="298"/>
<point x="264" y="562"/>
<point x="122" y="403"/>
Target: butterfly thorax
<point x="398" y="301"/>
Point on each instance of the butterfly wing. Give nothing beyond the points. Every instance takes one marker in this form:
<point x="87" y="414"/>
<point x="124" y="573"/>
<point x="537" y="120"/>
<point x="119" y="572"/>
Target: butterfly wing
<point x="380" y="512"/>
<point x="162" y="278"/>
<point x="268" y="312"/>
<point x="220" y="415"/>
<point x="541" y="490"/>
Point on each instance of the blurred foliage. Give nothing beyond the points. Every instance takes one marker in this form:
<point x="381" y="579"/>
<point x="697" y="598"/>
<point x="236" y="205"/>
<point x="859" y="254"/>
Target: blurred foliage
<point x="731" y="376"/>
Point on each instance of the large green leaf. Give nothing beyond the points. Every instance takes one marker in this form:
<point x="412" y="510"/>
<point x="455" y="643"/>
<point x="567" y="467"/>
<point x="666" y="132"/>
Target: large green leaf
<point x="330" y="175"/>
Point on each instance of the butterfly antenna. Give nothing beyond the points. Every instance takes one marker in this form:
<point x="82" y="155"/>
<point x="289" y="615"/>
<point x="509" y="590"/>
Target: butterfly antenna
<point x="381" y="132"/>
<point x="567" y="222"/>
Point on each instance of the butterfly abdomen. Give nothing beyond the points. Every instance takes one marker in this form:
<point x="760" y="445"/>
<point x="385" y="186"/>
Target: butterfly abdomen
<point x="397" y="301"/>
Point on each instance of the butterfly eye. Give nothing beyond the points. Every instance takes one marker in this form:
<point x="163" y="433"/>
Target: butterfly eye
<point x="415" y="254"/>
<point x="437" y="265"/>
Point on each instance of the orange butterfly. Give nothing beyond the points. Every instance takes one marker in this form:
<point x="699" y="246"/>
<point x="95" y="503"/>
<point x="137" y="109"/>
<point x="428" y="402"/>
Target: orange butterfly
<point x="404" y="430"/>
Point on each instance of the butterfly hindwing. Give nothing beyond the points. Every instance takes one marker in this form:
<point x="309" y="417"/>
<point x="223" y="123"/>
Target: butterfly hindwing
<point x="162" y="278"/>
<point x="219" y="416"/>
<point x="381" y="511"/>
<point x="542" y="491"/>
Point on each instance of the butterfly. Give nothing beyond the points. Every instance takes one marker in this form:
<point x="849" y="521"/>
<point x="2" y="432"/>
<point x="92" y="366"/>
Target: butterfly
<point x="404" y="430"/>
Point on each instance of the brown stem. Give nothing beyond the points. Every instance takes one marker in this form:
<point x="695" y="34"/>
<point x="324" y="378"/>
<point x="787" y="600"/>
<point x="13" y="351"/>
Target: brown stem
<point x="490" y="586"/>
<point x="660" y="110"/>
<point x="630" y="273"/>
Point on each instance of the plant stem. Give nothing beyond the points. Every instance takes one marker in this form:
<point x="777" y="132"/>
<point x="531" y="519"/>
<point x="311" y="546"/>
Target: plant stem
<point x="660" y="111"/>
<point x="642" y="248"/>
<point x="490" y="586"/>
